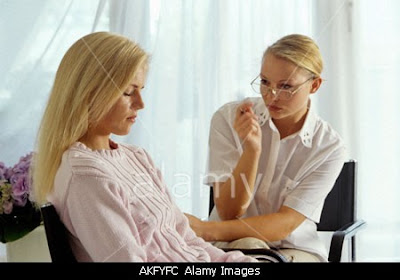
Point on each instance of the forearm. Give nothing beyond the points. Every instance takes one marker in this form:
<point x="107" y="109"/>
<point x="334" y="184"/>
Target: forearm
<point x="233" y="197"/>
<point x="272" y="227"/>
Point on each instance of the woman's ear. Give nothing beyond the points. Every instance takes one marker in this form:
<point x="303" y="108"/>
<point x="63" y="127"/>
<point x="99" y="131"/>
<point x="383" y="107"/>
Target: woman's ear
<point x="315" y="85"/>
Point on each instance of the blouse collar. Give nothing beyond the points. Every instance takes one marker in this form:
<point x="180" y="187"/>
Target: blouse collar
<point x="306" y="133"/>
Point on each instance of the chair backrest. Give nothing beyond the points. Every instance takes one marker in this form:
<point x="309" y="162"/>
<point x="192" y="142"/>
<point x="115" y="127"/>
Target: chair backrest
<point x="340" y="204"/>
<point x="56" y="233"/>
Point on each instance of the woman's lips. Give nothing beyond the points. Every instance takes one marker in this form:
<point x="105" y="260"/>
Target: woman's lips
<point x="274" y="108"/>
<point x="132" y="119"/>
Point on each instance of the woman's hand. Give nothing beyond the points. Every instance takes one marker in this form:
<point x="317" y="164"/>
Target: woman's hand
<point x="247" y="127"/>
<point x="197" y="225"/>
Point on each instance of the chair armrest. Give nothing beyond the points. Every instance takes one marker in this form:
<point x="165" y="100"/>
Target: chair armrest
<point x="347" y="231"/>
<point x="262" y="254"/>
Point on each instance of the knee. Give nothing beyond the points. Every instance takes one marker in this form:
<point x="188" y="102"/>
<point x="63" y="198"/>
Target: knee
<point x="248" y="243"/>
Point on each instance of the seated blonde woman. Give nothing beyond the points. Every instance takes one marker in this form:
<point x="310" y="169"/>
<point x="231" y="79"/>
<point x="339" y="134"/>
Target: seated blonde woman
<point x="110" y="196"/>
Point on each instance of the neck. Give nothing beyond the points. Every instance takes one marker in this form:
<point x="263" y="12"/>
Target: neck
<point x="96" y="142"/>
<point x="289" y="126"/>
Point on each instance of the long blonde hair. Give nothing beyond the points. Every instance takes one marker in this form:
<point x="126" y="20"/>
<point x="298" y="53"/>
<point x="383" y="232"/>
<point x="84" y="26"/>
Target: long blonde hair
<point x="91" y="77"/>
<point x="300" y="50"/>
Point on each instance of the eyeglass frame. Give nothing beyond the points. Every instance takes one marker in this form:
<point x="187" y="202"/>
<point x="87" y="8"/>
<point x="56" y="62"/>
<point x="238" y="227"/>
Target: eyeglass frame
<point x="276" y="92"/>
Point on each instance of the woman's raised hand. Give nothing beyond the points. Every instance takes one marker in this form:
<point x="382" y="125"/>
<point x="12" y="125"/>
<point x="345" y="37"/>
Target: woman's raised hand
<point x="247" y="127"/>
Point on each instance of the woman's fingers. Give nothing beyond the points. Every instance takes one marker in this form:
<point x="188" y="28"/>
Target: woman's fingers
<point x="248" y="126"/>
<point x="244" y="108"/>
<point x="244" y="113"/>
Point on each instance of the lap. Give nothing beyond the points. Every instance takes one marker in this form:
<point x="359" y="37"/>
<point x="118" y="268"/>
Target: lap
<point x="243" y="243"/>
<point x="293" y="255"/>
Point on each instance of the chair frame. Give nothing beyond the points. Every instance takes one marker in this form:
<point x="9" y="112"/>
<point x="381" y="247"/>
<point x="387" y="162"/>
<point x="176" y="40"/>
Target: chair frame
<point x="57" y="236"/>
<point x="339" y="214"/>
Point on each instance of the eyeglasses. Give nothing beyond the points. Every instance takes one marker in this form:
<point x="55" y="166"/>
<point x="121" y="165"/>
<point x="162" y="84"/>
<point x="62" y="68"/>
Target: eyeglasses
<point x="260" y="86"/>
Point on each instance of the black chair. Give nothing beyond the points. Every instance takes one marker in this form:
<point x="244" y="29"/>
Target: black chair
<point x="56" y="234"/>
<point x="338" y="214"/>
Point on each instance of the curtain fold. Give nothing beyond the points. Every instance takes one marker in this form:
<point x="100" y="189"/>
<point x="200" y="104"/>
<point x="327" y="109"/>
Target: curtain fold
<point x="33" y="40"/>
<point x="362" y="56"/>
<point x="336" y="100"/>
<point x="377" y="68"/>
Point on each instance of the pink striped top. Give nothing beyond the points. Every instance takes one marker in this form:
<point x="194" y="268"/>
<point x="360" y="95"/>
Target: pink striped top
<point x="117" y="209"/>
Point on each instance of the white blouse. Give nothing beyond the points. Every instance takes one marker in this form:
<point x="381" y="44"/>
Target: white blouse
<point x="298" y="171"/>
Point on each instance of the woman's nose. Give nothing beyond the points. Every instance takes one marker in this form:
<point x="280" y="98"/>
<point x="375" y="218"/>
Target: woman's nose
<point x="138" y="101"/>
<point x="274" y="93"/>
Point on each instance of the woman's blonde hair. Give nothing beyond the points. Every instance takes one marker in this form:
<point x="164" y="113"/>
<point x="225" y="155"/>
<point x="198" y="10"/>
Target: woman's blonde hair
<point x="300" y="50"/>
<point x="91" y="77"/>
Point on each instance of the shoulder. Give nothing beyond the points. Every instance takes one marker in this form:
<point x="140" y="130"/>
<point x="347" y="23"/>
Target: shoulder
<point x="322" y="132"/>
<point x="132" y="150"/>
<point x="326" y="138"/>
<point x="81" y="161"/>
<point x="80" y="171"/>
<point x="325" y="130"/>
<point x="137" y="153"/>
<point x="84" y="170"/>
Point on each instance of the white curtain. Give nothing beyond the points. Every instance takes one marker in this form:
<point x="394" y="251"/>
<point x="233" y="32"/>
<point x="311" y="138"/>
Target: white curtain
<point x="377" y="117"/>
<point x="334" y="35"/>
<point x="361" y="46"/>
<point x="34" y="35"/>
<point x="33" y="38"/>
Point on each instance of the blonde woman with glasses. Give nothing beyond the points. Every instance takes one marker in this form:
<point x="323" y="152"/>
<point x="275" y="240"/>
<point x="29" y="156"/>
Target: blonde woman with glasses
<point x="273" y="160"/>
<point x="110" y="196"/>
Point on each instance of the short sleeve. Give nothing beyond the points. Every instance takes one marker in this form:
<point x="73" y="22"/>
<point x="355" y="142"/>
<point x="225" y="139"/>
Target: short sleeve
<point x="309" y="195"/>
<point x="224" y="148"/>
